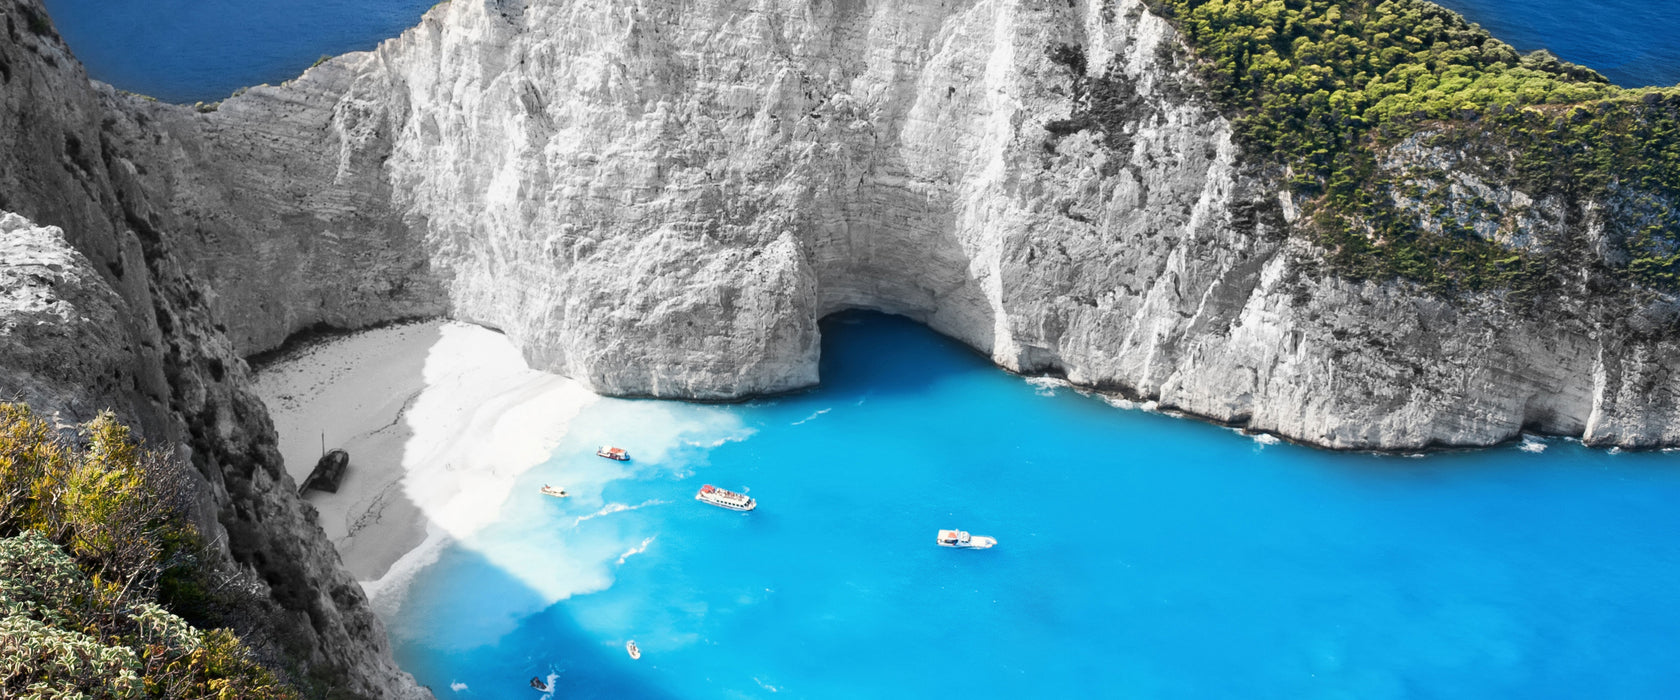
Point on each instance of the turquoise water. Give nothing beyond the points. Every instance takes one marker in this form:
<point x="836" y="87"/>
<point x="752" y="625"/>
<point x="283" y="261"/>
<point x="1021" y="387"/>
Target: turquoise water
<point x="1140" y="555"/>
<point x="190" y="50"/>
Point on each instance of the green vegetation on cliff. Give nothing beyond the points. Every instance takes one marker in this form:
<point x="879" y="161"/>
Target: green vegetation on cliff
<point x="92" y="538"/>
<point x="1323" y="86"/>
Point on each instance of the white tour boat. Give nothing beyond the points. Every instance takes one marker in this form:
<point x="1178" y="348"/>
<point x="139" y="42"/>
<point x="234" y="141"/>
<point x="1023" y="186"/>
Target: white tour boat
<point x="611" y="452"/>
<point x="725" y="499"/>
<point x="962" y="540"/>
<point x="555" y="492"/>
<point x="635" y="651"/>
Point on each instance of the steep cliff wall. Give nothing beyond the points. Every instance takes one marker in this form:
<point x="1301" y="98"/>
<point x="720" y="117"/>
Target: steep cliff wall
<point x="101" y="310"/>
<point x="663" y="200"/>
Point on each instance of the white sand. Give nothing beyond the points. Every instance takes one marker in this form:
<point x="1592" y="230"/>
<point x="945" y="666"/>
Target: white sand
<point x="439" y="418"/>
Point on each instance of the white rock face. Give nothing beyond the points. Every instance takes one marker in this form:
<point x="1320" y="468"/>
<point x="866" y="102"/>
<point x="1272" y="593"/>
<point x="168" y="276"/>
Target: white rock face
<point x="662" y="199"/>
<point x="52" y="304"/>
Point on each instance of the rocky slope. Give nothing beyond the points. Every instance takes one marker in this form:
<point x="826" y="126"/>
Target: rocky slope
<point x="101" y="310"/>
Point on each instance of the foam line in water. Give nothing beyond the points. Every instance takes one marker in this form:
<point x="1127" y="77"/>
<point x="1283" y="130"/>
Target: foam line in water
<point x="385" y="594"/>
<point x="638" y="549"/>
<point x="1047" y="386"/>
<point x="559" y="548"/>
<point x="611" y="508"/>
<point x="812" y="417"/>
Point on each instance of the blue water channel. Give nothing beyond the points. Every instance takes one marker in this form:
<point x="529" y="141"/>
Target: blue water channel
<point x="1140" y="555"/>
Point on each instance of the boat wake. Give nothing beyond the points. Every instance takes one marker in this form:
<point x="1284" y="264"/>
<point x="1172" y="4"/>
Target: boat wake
<point x="811" y="417"/>
<point x="551" y="682"/>
<point x="720" y="442"/>
<point x="611" y="508"/>
<point x="633" y="551"/>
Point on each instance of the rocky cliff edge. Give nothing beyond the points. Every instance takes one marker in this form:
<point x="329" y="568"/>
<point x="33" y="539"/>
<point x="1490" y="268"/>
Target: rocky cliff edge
<point x="663" y="200"/>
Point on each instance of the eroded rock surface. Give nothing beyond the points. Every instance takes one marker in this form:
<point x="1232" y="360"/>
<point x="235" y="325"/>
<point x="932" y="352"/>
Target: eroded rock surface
<point x="107" y="307"/>
<point x="662" y="200"/>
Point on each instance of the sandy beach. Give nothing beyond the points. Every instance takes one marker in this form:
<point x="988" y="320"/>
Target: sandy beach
<point x="438" y="417"/>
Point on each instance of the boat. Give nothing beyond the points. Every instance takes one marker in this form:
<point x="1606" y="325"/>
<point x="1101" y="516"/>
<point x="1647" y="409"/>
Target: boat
<point x="635" y="651"/>
<point x="960" y="539"/>
<point x="611" y="452"/>
<point x="555" y="492"/>
<point x="327" y="473"/>
<point x="725" y="499"/>
<point x="538" y="684"/>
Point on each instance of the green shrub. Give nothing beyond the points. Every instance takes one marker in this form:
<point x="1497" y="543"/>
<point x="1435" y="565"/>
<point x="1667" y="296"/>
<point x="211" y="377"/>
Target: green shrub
<point x="63" y="635"/>
<point x="105" y="502"/>
<point x="90" y="530"/>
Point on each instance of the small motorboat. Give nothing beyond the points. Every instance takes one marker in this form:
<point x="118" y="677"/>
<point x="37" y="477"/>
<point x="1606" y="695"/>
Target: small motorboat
<point x="960" y="539"/>
<point x="725" y="499"/>
<point x="635" y="651"/>
<point x="611" y="452"/>
<point x="538" y="684"/>
<point x="555" y="492"/>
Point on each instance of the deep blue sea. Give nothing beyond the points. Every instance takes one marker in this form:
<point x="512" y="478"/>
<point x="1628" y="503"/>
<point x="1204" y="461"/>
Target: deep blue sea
<point x="1632" y="42"/>
<point x="191" y="50"/>
<point x="203" y="50"/>
<point x="1139" y="555"/>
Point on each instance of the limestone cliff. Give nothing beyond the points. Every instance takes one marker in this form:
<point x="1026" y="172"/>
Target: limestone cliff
<point x="101" y="310"/>
<point x="662" y="200"/>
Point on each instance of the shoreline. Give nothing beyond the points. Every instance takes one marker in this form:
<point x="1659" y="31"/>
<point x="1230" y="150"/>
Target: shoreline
<point x="439" y="417"/>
